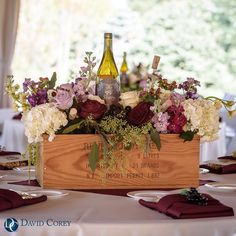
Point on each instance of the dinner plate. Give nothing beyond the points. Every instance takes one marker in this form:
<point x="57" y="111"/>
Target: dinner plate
<point x="221" y="187"/>
<point x="27" y="194"/>
<point x="147" y="195"/>
<point x="50" y="193"/>
<point x="24" y="169"/>
<point x="203" y="170"/>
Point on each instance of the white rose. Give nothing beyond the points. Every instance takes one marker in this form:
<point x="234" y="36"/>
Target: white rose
<point x="73" y="113"/>
<point x="96" y="98"/>
<point x="129" y="99"/>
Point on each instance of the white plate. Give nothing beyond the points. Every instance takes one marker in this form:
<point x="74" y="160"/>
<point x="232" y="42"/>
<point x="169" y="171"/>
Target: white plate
<point x="50" y="193"/>
<point x="147" y="195"/>
<point x="221" y="187"/>
<point x="26" y="194"/>
<point x="203" y="171"/>
<point x="24" y="169"/>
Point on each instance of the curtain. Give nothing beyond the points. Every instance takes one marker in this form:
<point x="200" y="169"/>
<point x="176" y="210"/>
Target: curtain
<point x="9" y="14"/>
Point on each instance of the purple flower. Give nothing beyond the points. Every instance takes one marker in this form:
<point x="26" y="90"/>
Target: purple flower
<point x="177" y="99"/>
<point x="79" y="91"/>
<point x="64" y="99"/>
<point x="84" y="69"/>
<point x="28" y="83"/>
<point x="160" y="122"/>
<point x="143" y="84"/>
<point x="67" y="87"/>
<point x="38" y="98"/>
<point x="190" y="87"/>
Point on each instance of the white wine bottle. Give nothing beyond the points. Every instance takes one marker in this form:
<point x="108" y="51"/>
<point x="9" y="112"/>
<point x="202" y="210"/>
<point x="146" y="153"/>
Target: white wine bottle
<point x="108" y="87"/>
<point x="124" y="80"/>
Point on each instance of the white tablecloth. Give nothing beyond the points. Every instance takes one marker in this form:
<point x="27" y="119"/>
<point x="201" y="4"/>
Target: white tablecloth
<point x="104" y="215"/>
<point x="209" y="151"/>
<point x="13" y="137"/>
<point x="5" y="114"/>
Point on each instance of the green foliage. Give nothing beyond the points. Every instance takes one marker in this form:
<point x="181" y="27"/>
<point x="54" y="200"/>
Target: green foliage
<point x="93" y="157"/>
<point x="187" y="136"/>
<point x="155" y="137"/>
<point x="73" y="127"/>
<point x="53" y="80"/>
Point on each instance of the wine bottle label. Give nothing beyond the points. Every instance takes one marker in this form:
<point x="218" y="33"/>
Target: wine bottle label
<point x="109" y="90"/>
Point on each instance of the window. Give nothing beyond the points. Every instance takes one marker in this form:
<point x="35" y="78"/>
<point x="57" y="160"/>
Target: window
<point x="193" y="38"/>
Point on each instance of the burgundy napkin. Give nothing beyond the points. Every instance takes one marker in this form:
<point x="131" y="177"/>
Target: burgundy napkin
<point x="177" y="206"/>
<point x="220" y="169"/>
<point x="6" y="153"/>
<point x="10" y="199"/>
<point x="205" y="181"/>
<point x="227" y="158"/>
<point x="17" y="116"/>
<point x="32" y="182"/>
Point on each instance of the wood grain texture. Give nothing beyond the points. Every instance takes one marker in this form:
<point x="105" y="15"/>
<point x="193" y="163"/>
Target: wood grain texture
<point x="64" y="164"/>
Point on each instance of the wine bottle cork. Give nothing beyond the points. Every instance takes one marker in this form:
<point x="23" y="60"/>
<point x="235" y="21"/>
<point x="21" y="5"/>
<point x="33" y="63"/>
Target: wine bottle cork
<point x="155" y="62"/>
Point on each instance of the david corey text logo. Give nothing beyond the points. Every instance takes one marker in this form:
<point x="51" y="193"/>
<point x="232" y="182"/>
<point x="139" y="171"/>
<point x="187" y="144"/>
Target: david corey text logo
<point x="49" y="222"/>
<point x="11" y="224"/>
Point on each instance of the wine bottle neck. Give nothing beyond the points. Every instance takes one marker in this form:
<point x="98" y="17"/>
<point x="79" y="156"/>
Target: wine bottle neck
<point x="107" y="43"/>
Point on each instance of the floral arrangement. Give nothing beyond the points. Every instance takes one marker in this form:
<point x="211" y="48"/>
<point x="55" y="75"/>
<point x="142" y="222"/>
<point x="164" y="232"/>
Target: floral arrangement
<point x="161" y="107"/>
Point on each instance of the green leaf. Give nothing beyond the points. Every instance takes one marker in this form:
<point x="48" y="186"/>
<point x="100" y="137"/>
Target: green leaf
<point x="93" y="157"/>
<point x="104" y="145"/>
<point x="184" y="192"/>
<point x="155" y="137"/>
<point x="149" y="98"/>
<point x="71" y="128"/>
<point x="53" y="80"/>
<point x="187" y="136"/>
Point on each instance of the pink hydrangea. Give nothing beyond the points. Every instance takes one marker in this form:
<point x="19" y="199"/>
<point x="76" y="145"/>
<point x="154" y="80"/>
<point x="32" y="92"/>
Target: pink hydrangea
<point x="160" y="121"/>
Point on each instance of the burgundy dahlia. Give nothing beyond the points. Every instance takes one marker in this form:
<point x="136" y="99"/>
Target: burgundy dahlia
<point x="140" y="114"/>
<point x="92" y="108"/>
<point x="177" y="119"/>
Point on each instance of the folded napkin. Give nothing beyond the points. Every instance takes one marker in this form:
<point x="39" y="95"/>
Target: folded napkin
<point x="7" y="153"/>
<point x="205" y="181"/>
<point x="17" y="116"/>
<point x="233" y="158"/>
<point x="32" y="182"/>
<point x="10" y="199"/>
<point x="220" y="169"/>
<point x="178" y="207"/>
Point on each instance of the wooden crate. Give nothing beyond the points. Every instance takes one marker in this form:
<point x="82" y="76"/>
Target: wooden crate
<point x="64" y="164"/>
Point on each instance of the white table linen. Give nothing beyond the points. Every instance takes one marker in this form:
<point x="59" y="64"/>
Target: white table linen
<point x="13" y="137"/>
<point x="5" y="114"/>
<point x="104" y="215"/>
<point x="209" y="151"/>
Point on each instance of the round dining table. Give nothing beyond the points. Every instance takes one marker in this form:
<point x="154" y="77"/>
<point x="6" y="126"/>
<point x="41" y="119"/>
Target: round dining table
<point x="77" y="213"/>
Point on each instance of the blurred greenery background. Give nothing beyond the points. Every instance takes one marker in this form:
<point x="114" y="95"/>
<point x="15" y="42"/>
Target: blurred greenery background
<point x="194" y="38"/>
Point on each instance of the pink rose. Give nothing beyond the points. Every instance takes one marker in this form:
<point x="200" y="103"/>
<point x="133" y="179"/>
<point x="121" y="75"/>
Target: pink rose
<point x="64" y="99"/>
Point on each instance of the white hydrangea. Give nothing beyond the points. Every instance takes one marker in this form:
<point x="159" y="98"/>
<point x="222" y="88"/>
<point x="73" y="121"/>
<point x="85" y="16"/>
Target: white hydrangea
<point x="43" y="119"/>
<point x="202" y="117"/>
